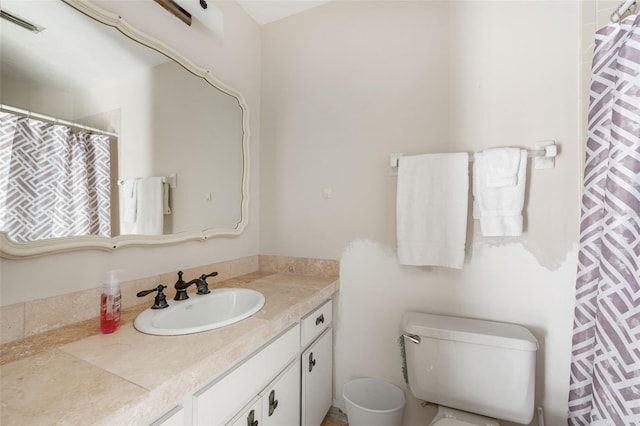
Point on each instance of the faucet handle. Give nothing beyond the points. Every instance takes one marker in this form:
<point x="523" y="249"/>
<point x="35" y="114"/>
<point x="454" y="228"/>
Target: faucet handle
<point x="205" y="276"/>
<point x="160" y="301"/>
<point x="203" y="286"/>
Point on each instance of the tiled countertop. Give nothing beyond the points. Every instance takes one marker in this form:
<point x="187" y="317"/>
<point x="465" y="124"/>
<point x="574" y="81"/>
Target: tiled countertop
<point x="75" y="375"/>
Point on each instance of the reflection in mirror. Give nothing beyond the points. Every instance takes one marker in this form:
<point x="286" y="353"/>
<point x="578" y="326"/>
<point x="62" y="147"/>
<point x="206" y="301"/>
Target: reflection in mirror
<point x="163" y="118"/>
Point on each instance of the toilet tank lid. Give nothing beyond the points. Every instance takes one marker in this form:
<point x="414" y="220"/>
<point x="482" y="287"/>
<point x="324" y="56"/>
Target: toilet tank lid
<point x="468" y="330"/>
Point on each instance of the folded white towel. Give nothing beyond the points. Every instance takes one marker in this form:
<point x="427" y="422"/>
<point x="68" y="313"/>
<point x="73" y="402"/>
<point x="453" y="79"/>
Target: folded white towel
<point x="499" y="209"/>
<point x="149" y="208"/>
<point x="502" y="166"/>
<point x="431" y="209"/>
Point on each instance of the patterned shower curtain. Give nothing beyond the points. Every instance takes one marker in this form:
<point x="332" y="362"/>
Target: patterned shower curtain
<point x="54" y="181"/>
<point x="605" y="367"/>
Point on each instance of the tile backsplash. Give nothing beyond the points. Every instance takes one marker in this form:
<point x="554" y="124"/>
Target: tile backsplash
<point x="300" y="265"/>
<point x="37" y="316"/>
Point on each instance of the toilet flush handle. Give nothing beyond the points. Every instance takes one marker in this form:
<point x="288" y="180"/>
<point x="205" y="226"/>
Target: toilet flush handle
<point x="413" y="337"/>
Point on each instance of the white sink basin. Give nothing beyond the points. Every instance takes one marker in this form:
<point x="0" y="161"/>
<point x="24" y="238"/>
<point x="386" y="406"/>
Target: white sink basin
<point x="221" y="307"/>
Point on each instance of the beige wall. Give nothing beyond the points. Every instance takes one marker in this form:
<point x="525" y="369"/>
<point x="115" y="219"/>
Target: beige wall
<point x="22" y="94"/>
<point x="234" y="60"/>
<point x="348" y="83"/>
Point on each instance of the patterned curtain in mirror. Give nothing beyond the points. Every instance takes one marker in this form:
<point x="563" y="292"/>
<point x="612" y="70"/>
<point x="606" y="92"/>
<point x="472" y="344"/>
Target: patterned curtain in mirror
<point x="54" y="180"/>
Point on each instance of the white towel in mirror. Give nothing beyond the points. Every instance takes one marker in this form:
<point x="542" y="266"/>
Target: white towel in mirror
<point x="128" y="200"/>
<point x="149" y="206"/>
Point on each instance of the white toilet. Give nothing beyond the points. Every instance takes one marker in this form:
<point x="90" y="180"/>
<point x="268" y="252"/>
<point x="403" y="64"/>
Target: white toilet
<point x="470" y="368"/>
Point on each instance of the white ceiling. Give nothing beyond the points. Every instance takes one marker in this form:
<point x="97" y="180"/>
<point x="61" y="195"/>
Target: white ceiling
<point x="265" y="11"/>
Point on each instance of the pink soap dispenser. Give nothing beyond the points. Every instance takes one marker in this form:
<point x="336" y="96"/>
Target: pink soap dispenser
<point x="110" y="304"/>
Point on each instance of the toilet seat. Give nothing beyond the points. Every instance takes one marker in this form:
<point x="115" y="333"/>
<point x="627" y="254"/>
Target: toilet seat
<point x="450" y="417"/>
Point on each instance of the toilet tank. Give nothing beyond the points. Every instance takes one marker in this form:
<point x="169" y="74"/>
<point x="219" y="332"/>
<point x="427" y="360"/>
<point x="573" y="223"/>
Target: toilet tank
<point x="483" y="367"/>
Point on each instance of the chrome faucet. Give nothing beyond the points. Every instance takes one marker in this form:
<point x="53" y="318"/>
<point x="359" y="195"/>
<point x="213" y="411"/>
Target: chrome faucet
<point x="201" y="284"/>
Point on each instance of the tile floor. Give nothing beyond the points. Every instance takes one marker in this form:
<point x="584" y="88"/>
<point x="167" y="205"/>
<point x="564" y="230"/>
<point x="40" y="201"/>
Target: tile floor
<point x="333" y="420"/>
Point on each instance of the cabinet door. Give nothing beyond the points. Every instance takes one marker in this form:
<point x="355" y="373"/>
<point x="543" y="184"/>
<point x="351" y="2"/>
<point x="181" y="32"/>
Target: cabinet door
<point x="250" y="416"/>
<point x="317" y="380"/>
<point x="218" y="402"/>
<point x="281" y="399"/>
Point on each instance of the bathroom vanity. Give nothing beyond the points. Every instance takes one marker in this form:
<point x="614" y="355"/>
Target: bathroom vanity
<point x="272" y="381"/>
<point x="274" y="367"/>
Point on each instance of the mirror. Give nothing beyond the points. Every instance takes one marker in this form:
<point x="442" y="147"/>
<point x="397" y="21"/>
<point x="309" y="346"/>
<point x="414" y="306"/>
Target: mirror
<point x="172" y="118"/>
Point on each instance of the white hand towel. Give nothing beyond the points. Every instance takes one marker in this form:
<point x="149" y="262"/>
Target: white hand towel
<point x="502" y="166"/>
<point x="128" y="200"/>
<point x="149" y="209"/>
<point x="431" y="209"/>
<point x="499" y="209"/>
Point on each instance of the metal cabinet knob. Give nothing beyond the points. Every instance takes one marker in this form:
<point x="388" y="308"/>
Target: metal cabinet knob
<point x="250" y="418"/>
<point x="273" y="402"/>
<point x="312" y="362"/>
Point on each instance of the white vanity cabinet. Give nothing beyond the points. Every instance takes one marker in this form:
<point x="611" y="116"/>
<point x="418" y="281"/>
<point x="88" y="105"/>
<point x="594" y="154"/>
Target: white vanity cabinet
<point x="220" y="401"/>
<point x="287" y="382"/>
<point x="277" y="405"/>
<point x="317" y="365"/>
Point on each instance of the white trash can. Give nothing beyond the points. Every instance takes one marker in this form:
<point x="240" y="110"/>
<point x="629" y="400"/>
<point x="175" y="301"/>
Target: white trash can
<point x="373" y="402"/>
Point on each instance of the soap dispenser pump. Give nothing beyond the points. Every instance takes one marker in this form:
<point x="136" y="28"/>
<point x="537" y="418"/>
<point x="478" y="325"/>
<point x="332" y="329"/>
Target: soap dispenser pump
<point x="110" y="304"/>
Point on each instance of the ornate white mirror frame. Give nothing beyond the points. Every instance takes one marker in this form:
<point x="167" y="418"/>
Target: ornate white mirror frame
<point x="14" y="250"/>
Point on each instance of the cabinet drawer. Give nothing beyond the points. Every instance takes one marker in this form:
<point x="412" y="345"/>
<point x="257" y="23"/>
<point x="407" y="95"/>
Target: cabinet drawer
<point x="215" y="404"/>
<point x="316" y="322"/>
